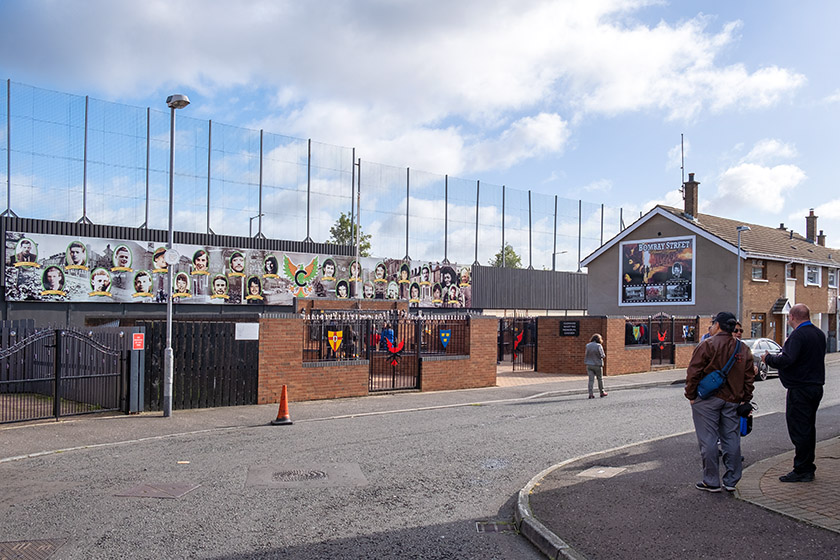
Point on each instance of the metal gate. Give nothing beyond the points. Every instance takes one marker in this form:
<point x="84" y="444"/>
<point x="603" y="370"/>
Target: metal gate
<point x="212" y="368"/>
<point x="394" y="352"/>
<point x="662" y="332"/>
<point x="517" y="342"/>
<point x="59" y="372"/>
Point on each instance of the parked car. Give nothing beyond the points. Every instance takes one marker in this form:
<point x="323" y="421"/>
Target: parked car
<point x="759" y="347"/>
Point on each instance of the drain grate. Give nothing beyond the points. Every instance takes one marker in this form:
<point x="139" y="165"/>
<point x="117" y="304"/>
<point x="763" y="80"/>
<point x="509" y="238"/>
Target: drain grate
<point x="298" y="475"/>
<point x="495" y="527"/>
<point x="164" y="490"/>
<point x="29" y="550"/>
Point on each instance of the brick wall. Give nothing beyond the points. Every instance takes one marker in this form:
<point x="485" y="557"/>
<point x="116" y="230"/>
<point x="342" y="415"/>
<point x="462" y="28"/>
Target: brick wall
<point x="281" y="363"/>
<point x="564" y="354"/>
<point x="479" y="370"/>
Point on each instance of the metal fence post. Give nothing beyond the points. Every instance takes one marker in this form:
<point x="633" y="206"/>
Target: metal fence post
<point x="503" y="227"/>
<point x="9" y="211"/>
<point x="308" y="187"/>
<point x="209" y="152"/>
<point x="260" y="212"/>
<point x="148" y="150"/>
<point x="554" y="250"/>
<point x="530" y="244"/>
<point x="407" y="196"/>
<point x="477" y="198"/>
<point x="446" y="218"/>
<point x="57" y="374"/>
<point x="580" y="229"/>
<point x="84" y="219"/>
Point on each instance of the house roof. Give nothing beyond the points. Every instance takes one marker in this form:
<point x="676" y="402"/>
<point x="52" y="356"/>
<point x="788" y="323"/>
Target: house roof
<point x="760" y="242"/>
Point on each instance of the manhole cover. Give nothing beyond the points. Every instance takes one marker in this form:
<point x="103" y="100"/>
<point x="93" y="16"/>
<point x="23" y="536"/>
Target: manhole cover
<point x="164" y="490"/>
<point x="298" y="475"/>
<point x="310" y="476"/>
<point x="29" y="550"/>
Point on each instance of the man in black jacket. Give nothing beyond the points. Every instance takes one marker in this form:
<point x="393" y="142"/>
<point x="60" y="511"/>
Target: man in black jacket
<point x="801" y="368"/>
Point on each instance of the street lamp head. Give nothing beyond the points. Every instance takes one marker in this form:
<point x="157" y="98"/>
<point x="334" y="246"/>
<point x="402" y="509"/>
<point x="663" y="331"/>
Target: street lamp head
<point x="743" y="228"/>
<point x="177" y="101"/>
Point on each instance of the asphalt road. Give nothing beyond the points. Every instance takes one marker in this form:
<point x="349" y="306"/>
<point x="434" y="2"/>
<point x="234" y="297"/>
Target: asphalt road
<point x="410" y="475"/>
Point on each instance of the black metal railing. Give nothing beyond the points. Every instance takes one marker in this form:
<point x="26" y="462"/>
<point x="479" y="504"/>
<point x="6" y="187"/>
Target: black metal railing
<point x="59" y="372"/>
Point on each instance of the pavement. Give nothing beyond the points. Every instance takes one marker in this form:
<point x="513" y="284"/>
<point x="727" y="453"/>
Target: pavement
<point x="636" y="501"/>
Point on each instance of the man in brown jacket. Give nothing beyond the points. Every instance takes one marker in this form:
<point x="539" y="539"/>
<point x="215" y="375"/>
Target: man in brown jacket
<point x="716" y="417"/>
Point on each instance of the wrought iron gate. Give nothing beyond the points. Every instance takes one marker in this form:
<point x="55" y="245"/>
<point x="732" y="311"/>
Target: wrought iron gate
<point x="394" y="352"/>
<point x="517" y="342"/>
<point x="60" y="372"/>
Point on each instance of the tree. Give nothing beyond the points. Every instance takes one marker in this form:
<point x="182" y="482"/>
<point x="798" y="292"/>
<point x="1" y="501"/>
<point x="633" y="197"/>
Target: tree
<point x="511" y="259"/>
<point x="344" y="233"/>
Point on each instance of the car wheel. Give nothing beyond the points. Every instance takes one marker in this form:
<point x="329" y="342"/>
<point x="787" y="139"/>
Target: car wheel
<point x="762" y="371"/>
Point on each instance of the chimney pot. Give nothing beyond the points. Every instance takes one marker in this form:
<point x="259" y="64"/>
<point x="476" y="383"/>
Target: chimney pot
<point x="691" y="198"/>
<point x="782" y="226"/>
<point x="811" y="227"/>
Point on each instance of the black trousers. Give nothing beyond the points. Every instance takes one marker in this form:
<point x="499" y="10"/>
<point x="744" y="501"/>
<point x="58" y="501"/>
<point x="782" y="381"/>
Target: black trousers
<point x="801" y="415"/>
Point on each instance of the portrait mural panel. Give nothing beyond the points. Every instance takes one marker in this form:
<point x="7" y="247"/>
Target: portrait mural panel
<point x="50" y="268"/>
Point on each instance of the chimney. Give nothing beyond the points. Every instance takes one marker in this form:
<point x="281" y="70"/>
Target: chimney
<point x="782" y="227"/>
<point x="811" y="227"/>
<point x="821" y="239"/>
<point x="690" y="194"/>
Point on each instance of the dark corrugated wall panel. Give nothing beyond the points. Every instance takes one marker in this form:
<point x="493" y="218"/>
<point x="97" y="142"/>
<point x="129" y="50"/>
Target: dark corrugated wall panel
<point x="30" y="225"/>
<point x="518" y="288"/>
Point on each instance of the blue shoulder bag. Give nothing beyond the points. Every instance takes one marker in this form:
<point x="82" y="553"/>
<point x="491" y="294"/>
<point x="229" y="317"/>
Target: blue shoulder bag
<point x="713" y="381"/>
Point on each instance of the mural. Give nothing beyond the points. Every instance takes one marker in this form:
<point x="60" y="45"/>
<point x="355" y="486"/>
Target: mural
<point x="657" y="271"/>
<point x="42" y="267"/>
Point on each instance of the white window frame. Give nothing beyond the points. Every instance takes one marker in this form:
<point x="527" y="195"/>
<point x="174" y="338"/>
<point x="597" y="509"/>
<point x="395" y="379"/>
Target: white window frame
<point x="808" y="270"/>
<point x="832" y="277"/>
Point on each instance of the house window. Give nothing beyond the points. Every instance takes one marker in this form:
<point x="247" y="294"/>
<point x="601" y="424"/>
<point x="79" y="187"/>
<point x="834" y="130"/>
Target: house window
<point x="790" y="271"/>
<point x="813" y="275"/>
<point x="832" y="277"/>
<point x="759" y="269"/>
<point x="757" y="325"/>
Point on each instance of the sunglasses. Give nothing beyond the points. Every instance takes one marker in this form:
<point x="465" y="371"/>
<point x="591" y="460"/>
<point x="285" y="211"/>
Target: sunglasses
<point x="738" y="330"/>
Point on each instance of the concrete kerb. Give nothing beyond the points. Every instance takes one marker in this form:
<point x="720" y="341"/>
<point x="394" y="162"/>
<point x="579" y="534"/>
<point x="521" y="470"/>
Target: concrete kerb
<point x="541" y="536"/>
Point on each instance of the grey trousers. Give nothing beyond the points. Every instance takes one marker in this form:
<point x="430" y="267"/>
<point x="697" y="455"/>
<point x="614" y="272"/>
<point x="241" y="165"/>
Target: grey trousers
<point x="595" y="371"/>
<point x="715" y="419"/>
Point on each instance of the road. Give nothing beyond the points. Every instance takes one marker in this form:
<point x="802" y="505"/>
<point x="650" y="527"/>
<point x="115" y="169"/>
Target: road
<point x="408" y="475"/>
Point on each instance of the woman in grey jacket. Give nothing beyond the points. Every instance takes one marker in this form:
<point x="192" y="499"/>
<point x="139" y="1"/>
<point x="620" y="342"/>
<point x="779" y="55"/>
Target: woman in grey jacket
<point x="594" y="361"/>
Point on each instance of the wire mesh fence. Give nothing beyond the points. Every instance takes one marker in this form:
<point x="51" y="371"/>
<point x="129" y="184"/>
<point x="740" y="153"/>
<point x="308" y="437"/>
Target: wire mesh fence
<point x="73" y="158"/>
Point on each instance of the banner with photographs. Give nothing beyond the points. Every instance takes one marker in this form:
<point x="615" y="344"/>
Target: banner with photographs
<point x="657" y="271"/>
<point x="42" y="267"/>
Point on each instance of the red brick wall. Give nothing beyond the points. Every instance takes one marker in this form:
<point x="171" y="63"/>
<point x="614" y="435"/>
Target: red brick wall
<point x="564" y="354"/>
<point x="281" y="363"/>
<point x="478" y="371"/>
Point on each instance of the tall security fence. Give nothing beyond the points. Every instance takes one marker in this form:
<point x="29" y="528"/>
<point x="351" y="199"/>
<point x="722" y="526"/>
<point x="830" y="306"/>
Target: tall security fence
<point x="71" y="158"/>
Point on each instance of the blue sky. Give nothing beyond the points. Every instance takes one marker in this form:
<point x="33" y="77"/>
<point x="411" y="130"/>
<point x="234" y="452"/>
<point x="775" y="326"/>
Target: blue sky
<point x="583" y="99"/>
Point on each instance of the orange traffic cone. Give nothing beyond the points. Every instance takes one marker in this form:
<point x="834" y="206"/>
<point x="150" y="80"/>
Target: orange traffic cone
<point x="283" y="412"/>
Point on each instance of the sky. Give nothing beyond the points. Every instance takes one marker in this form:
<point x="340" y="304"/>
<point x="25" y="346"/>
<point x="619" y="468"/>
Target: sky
<point x="596" y="100"/>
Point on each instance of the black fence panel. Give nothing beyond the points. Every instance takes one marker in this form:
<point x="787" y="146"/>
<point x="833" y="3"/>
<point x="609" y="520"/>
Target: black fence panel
<point x="211" y="367"/>
<point x="394" y="354"/>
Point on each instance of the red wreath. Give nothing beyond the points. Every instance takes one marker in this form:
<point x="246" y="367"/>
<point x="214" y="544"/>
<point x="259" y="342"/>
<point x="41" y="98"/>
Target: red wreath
<point x="516" y="342"/>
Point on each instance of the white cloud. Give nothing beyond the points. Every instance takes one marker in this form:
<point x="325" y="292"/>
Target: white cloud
<point x="754" y="187"/>
<point x="768" y="150"/>
<point x="834" y="97"/>
<point x="464" y="86"/>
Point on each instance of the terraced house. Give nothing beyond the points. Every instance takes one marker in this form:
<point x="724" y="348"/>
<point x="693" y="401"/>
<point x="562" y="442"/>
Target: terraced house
<point x="683" y="263"/>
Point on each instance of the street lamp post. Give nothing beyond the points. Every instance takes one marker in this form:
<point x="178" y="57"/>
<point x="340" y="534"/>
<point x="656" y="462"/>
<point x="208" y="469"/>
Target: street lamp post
<point x="740" y="229"/>
<point x="251" y="223"/>
<point x="173" y="102"/>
